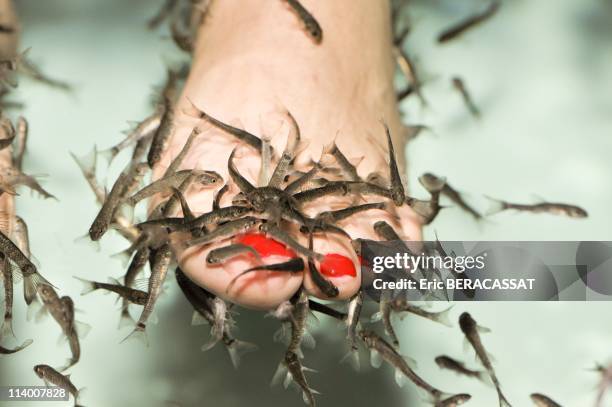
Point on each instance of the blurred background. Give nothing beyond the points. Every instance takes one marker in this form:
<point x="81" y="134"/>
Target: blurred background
<point x="539" y="71"/>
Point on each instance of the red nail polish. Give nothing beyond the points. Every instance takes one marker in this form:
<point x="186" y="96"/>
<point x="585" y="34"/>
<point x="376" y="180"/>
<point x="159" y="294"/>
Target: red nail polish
<point x="264" y="245"/>
<point x="337" y="265"/>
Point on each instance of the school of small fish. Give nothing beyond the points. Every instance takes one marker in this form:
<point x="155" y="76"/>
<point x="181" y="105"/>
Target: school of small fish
<point x="268" y="207"/>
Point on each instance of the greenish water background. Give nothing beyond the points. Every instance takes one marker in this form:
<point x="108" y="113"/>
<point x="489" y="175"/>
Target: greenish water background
<point x="541" y="73"/>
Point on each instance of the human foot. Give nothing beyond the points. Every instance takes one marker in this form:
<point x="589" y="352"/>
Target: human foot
<point x="340" y="90"/>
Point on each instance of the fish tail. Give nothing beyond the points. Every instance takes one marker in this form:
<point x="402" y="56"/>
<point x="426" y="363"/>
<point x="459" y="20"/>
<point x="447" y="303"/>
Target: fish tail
<point x="237" y="349"/>
<point x="444" y="318"/>
<point x="109" y="154"/>
<point x="69" y="363"/>
<point x="87" y="162"/>
<point x="88" y="286"/>
<point x="503" y="402"/>
<point x="30" y="286"/>
<point x="139" y="334"/>
<point x="377" y="316"/>
<point x="7" y="328"/>
<point x="352" y="357"/>
<point x="495" y="206"/>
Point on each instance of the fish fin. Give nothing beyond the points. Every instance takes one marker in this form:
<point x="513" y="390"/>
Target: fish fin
<point x="308" y="340"/>
<point x="352" y="357"/>
<point x="210" y="344"/>
<point x="139" y="334"/>
<point x="443" y="317"/>
<point x="30" y="285"/>
<point x="466" y="344"/>
<point x="7" y="329"/>
<point x="375" y="358"/>
<point x="377" y="316"/>
<point x="86" y="240"/>
<point x="400" y="379"/>
<point x="141" y="284"/>
<point x="124" y="256"/>
<point x="495" y="206"/>
<point x="491" y="357"/>
<point x="280" y="374"/>
<point x="69" y="363"/>
<point x="483" y="329"/>
<point x="25" y="344"/>
<point x="114" y="281"/>
<point x="126" y="319"/>
<point x="485" y="379"/>
<point x="308" y="369"/>
<point x="239" y="348"/>
<point x="82" y="329"/>
<point x="198" y="319"/>
<point x="61" y="339"/>
<point x="280" y="335"/>
<point x="87" y="163"/>
<point x="88" y="286"/>
<point x="40" y="315"/>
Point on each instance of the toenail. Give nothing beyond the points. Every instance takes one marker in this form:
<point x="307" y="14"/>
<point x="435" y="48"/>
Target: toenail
<point x="264" y="245"/>
<point x="337" y="265"/>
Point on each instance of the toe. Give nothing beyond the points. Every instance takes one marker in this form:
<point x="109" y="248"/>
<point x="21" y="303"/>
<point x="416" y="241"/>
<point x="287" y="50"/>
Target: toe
<point x="258" y="289"/>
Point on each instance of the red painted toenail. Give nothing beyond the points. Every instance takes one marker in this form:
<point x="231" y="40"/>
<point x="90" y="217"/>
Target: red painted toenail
<point x="265" y="246"/>
<point x="337" y="265"/>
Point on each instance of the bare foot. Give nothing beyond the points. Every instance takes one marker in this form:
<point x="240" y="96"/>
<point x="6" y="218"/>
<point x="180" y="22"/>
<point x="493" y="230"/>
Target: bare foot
<point x="252" y="63"/>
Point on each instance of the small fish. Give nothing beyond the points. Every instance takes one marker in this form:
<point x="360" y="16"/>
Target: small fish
<point x="294" y="265"/>
<point x="470" y="22"/>
<point x="284" y="237"/>
<point x="541" y="400"/>
<point x="87" y="165"/>
<point x="50" y="375"/>
<point x="174" y="180"/>
<point x="22" y="141"/>
<point x="145" y="128"/>
<point x="379" y="347"/>
<point x="7" y="351"/>
<point x="228" y="213"/>
<point x="140" y="259"/>
<point x="347" y="168"/>
<point x="451" y="194"/>
<point x="553" y="208"/>
<point x="470" y="329"/>
<point x="465" y="95"/>
<point x="293" y="140"/>
<point x="31" y="276"/>
<point x="397" y="189"/>
<point x="12" y="177"/>
<point x="241" y="135"/>
<point x="352" y="323"/>
<point x="71" y="333"/>
<point x="341" y="214"/>
<point x="222" y="254"/>
<point x="131" y="295"/>
<point x="454" y="401"/>
<point x="226" y="230"/>
<point x="203" y="303"/>
<point x="384" y="315"/>
<point x="446" y="362"/>
<point x="331" y="188"/>
<point x="328" y="288"/>
<point x="178" y="160"/>
<point x="311" y="25"/>
<point x="7" y="274"/>
<point x="408" y="68"/>
<point x="163" y="132"/>
<point x="105" y="216"/>
<point x="295" y="372"/>
<point x="159" y="269"/>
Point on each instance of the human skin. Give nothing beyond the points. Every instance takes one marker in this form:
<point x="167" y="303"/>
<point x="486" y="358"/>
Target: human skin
<point x="249" y="76"/>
